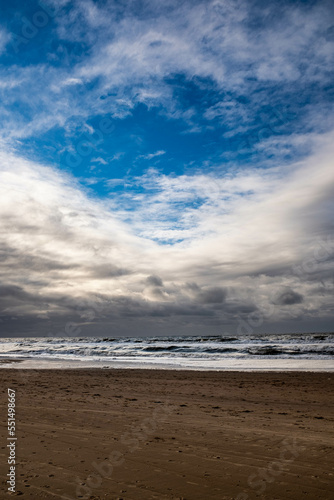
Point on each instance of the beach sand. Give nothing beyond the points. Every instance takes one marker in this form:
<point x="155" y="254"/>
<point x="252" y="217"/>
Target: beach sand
<point x="160" y="434"/>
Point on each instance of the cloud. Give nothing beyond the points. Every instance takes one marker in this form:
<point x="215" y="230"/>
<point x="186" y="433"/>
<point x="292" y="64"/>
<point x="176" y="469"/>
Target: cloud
<point x="4" y="39"/>
<point x="149" y="156"/>
<point x="202" y="207"/>
<point x="137" y="56"/>
<point x="253" y="235"/>
<point x="99" y="160"/>
<point x="246" y="227"/>
<point x="288" y="298"/>
<point x="215" y="295"/>
<point x="154" y="281"/>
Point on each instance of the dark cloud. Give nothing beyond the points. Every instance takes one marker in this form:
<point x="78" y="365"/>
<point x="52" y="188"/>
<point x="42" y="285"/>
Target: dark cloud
<point x="289" y="298"/>
<point x="39" y="263"/>
<point x="108" y="271"/>
<point x="13" y="293"/>
<point x="154" y="281"/>
<point x="214" y="295"/>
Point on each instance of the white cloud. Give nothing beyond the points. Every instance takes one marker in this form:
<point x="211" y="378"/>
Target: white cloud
<point x="99" y="160"/>
<point x="133" y="56"/>
<point x="72" y="81"/>
<point x="213" y="40"/>
<point x="4" y="39"/>
<point x="149" y="156"/>
<point x="205" y="206"/>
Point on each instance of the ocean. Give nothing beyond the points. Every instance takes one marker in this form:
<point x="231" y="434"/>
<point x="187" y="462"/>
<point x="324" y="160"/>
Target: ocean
<point x="285" y="352"/>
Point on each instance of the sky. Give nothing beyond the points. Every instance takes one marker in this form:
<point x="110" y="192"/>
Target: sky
<point x="166" y="168"/>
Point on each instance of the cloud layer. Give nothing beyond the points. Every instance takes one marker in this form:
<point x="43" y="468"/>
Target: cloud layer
<point x="251" y="54"/>
<point x="203" y="204"/>
<point x="257" y="244"/>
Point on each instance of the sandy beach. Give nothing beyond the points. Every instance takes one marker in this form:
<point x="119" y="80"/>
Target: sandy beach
<point x="162" y="434"/>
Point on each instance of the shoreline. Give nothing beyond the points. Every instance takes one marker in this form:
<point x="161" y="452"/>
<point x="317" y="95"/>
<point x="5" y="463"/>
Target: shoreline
<point x="246" y="365"/>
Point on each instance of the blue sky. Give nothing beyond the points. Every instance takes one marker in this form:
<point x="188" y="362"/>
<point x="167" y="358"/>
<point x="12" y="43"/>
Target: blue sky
<point x="190" y="141"/>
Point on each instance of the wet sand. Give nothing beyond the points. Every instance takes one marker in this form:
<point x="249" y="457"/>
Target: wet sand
<point x="160" y="434"/>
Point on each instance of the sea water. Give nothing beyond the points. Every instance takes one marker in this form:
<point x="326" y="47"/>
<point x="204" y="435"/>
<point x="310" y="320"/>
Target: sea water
<point x="285" y="352"/>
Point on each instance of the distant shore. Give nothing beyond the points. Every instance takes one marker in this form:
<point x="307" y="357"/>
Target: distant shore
<point x="168" y="434"/>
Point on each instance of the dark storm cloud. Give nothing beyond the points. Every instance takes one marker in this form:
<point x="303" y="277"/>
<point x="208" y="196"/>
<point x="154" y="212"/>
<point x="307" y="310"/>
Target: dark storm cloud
<point x="12" y="295"/>
<point x="214" y="295"/>
<point x="289" y="298"/>
<point x="12" y="291"/>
